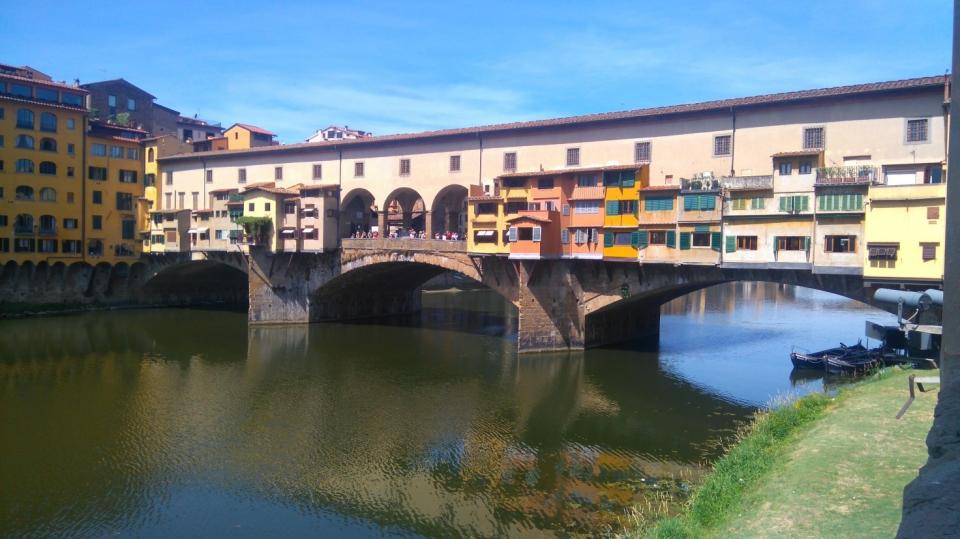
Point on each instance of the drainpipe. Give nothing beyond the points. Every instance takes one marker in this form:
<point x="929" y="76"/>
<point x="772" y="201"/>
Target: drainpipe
<point x="339" y="192"/>
<point x="83" y="191"/>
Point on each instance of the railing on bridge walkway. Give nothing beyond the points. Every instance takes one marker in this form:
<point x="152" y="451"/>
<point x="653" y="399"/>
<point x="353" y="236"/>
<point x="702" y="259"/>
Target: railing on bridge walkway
<point x="405" y="244"/>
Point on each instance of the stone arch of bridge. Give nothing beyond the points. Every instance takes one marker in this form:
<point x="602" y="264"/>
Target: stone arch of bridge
<point x="186" y="281"/>
<point x="358" y="212"/>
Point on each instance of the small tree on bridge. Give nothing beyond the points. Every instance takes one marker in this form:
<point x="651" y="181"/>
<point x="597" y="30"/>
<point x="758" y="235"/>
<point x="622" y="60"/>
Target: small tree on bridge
<point x="256" y="229"/>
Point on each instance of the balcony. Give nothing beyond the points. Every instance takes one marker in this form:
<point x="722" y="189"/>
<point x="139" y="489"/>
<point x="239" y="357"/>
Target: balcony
<point x="48" y="231"/>
<point x="747" y="183"/>
<point x="23" y="230"/>
<point x="700" y="184"/>
<point x="234" y="197"/>
<point x="850" y="175"/>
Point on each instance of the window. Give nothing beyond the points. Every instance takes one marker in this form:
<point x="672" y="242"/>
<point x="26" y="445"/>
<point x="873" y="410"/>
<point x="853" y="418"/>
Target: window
<point x="791" y="243"/>
<point x="701" y="239"/>
<point x="266" y="206"/>
<point x="70" y="172"/>
<point x="241" y="175"/>
<point x="70" y="223"/>
<point x="23" y="245"/>
<point x="71" y="123"/>
<point x="150" y="155"/>
<point x="48" y="122"/>
<point x="794" y="203"/>
<point x="487" y="208"/>
<point x="564" y="236"/>
<point x="917" y="130"/>
<point x="95" y="247"/>
<point x="806" y="167"/>
<point x="404" y="167"/>
<point x="586" y="206"/>
<point x="124" y="201"/>
<point x="97" y="222"/>
<point x="721" y="145"/>
<point x="290" y="208"/>
<point x="929" y="251"/>
<point x="747" y="243"/>
<point x="25" y="119"/>
<point x="21" y="90"/>
<point x="619" y="178"/>
<point x="251" y="206"/>
<point x="545" y="183"/>
<point x="738" y="204"/>
<point x="641" y="152"/>
<point x="515" y="207"/>
<point x="658" y="237"/>
<point x="171" y="236"/>
<point x="133" y="154"/>
<point x="71" y="246"/>
<point x="169" y="180"/>
<point x="25" y="142"/>
<point x="48" y="194"/>
<point x="839" y="244"/>
<point x="100" y="150"/>
<point x="47" y="246"/>
<point x="510" y="161"/>
<point x="168" y="203"/>
<point x="23" y="224"/>
<point x="112" y="103"/>
<point x="277" y="173"/>
<point x="1" y="141"/>
<point x="933" y="212"/>
<point x="71" y="149"/>
<point x="699" y="202"/>
<point x="786" y="168"/>
<point x="127" y="229"/>
<point x="622" y="238"/>
<point x="317" y="172"/>
<point x="834" y="202"/>
<point x="358" y="169"/>
<point x="116" y="152"/>
<point x="96" y="173"/>
<point x="97" y="197"/>
<point x="24" y="166"/>
<point x="573" y="157"/>
<point x="180" y="198"/>
<point x="131" y="104"/>
<point x="209" y="176"/>
<point x="454" y="163"/>
<point x="47" y="94"/>
<point x="657" y="203"/>
<point x="3" y="220"/>
<point x="194" y="200"/>
<point x="24" y="192"/>
<point x="4" y="245"/>
<point x="127" y="176"/>
<point x="587" y="180"/>
<point x="813" y="138"/>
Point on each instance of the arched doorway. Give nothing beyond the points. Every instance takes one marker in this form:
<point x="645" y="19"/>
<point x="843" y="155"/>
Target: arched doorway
<point x="358" y="213"/>
<point x="449" y="212"/>
<point x="403" y="211"/>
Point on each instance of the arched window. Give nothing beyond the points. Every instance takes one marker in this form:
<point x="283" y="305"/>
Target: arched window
<point x="25" y="166"/>
<point x="24" y="223"/>
<point x="25" y="142"/>
<point x="150" y="155"/>
<point x="48" y="144"/>
<point x="48" y="121"/>
<point x="24" y="192"/>
<point x="25" y="119"/>
<point x="48" y="194"/>
<point x="48" y="224"/>
<point x="48" y="167"/>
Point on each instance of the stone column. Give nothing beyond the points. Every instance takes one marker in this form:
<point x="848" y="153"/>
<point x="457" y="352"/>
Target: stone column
<point x="278" y="292"/>
<point x="551" y="317"/>
<point x="428" y="224"/>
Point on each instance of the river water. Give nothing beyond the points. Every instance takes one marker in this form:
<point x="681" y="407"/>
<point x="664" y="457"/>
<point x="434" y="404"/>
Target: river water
<point x="180" y="423"/>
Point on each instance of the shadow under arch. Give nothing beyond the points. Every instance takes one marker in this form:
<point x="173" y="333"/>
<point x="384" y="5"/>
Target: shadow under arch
<point x="198" y="282"/>
<point x="448" y="212"/>
<point x="403" y="209"/>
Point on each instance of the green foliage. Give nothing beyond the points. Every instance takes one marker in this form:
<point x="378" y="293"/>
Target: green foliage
<point x="122" y="118"/>
<point x="256" y="228"/>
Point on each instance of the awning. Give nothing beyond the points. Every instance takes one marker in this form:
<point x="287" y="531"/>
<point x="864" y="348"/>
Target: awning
<point x="309" y="230"/>
<point x="882" y="253"/>
<point x="192" y="231"/>
<point x="486" y="233"/>
<point x="288" y="231"/>
<point x="203" y="230"/>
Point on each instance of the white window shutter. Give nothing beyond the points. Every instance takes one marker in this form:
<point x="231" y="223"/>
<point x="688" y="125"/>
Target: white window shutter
<point x="512" y="235"/>
<point x="537" y="233"/>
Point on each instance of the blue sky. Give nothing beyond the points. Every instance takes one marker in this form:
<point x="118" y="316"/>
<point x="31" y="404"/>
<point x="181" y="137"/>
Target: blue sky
<point x="392" y="67"/>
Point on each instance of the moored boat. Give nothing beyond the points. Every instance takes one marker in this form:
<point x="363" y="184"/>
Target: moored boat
<point x="815" y="360"/>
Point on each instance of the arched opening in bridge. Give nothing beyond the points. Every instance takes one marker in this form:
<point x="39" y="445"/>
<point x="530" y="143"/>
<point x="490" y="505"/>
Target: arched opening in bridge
<point x="198" y="282"/>
<point x="449" y="211"/>
<point x="358" y="213"/>
<point x="403" y="212"/>
<point x="414" y="294"/>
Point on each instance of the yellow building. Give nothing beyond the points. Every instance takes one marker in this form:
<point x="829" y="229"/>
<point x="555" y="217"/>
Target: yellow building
<point x="266" y="200"/>
<point x="41" y="160"/>
<point x="151" y="190"/>
<point x="245" y="136"/>
<point x="905" y="228"/>
<point x="621" y="237"/>
<point x="486" y="222"/>
<point x="114" y="193"/>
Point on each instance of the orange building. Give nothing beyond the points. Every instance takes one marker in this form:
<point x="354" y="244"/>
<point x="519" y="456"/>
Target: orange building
<point x="658" y="223"/>
<point x="582" y="218"/>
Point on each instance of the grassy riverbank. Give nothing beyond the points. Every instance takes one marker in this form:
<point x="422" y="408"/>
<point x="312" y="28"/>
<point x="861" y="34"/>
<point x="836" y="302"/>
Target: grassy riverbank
<point x="819" y="467"/>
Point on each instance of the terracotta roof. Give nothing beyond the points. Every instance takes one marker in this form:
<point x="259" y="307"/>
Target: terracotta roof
<point x="8" y="97"/>
<point x="706" y="106"/>
<point x="485" y="198"/>
<point x="529" y="218"/>
<point x="797" y="153"/>
<point x="581" y="170"/>
<point x="269" y="187"/>
<point x="172" y="210"/>
<point x="587" y="193"/>
<point x="204" y="210"/>
<point x="50" y="83"/>
<point x="226" y="190"/>
<point x="253" y="129"/>
<point x="235" y="203"/>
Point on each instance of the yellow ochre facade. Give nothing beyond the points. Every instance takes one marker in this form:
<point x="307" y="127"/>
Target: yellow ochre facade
<point x="905" y="229"/>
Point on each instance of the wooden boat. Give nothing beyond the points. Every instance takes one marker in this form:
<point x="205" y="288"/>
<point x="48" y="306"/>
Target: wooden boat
<point x="815" y="360"/>
<point x="855" y="362"/>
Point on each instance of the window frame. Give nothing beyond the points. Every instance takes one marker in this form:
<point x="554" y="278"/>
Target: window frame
<point x="573" y="156"/>
<point x="637" y="157"/>
<point x="823" y="137"/>
<point x="906" y="130"/>
<point x="455" y="163"/>
<point x="509" y="161"/>
<point x="729" y="141"/>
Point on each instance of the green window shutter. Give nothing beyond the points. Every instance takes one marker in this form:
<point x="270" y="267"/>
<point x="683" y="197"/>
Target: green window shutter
<point x="613" y="207"/>
<point x="672" y="238"/>
<point x="859" y="202"/>
<point x="691" y="202"/>
<point x="731" y="244"/>
<point x="636" y="208"/>
<point x="760" y="203"/>
<point x="783" y="204"/>
<point x="820" y="200"/>
<point x="607" y="238"/>
<point x="716" y="241"/>
<point x="638" y="239"/>
<point x="708" y="202"/>
<point x="701" y="228"/>
<point x="806" y="244"/>
<point x="804" y="203"/>
<point x="684" y="241"/>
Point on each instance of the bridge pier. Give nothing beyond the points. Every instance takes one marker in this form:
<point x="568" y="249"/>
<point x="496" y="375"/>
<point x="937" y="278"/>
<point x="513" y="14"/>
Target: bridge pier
<point x="550" y="311"/>
<point x="629" y="321"/>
